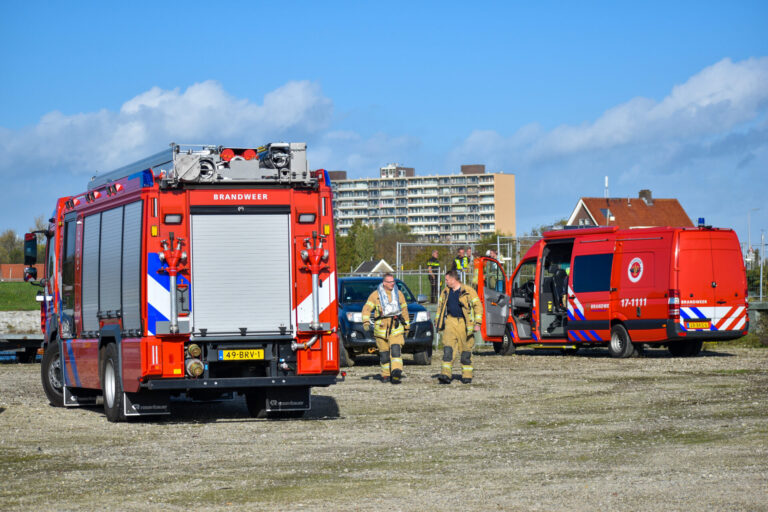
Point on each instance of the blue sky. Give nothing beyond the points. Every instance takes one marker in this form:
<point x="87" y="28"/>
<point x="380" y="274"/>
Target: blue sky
<point x="671" y="96"/>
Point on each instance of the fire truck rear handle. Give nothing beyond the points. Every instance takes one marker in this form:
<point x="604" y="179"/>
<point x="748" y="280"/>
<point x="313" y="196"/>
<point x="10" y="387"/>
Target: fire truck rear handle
<point x="296" y="346"/>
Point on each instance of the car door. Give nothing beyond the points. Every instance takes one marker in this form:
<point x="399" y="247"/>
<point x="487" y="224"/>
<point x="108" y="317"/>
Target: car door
<point x="491" y="288"/>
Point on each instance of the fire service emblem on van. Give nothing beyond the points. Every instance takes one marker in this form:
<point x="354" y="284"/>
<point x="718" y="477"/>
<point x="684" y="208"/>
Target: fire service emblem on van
<point x="635" y="270"/>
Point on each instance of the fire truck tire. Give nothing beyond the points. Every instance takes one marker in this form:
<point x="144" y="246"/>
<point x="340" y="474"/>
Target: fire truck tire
<point x="423" y="357"/>
<point x="112" y="384"/>
<point x="50" y="372"/>
<point x="620" y="345"/>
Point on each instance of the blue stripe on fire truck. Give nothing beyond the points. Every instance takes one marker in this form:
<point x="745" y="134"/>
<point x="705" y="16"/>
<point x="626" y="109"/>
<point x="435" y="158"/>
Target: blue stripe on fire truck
<point x="159" y="292"/>
<point x="72" y="363"/>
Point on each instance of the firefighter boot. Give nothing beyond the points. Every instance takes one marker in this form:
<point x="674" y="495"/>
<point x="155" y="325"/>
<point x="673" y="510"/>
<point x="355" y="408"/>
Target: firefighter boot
<point x="395" y="351"/>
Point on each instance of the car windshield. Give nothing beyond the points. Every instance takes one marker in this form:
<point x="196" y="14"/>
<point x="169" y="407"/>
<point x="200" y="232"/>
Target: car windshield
<point x="358" y="290"/>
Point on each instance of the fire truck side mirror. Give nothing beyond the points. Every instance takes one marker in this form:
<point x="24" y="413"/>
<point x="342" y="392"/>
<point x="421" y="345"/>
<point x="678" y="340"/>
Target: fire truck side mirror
<point x="30" y="274"/>
<point x="30" y="249"/>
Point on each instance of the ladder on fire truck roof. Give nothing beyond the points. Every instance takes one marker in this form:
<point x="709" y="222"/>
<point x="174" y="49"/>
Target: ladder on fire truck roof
<point x="276" y="163"/>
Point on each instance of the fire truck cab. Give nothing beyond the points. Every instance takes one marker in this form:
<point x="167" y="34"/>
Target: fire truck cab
<point x="619" y="288"/>
<point x="201" y="270"/>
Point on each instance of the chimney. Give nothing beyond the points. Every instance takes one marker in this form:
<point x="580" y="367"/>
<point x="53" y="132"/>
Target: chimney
<point x="646" y="196"/>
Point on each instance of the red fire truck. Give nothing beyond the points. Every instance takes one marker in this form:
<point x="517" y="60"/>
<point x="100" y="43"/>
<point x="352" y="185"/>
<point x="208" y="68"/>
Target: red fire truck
<point x="618" y="287"/>
<point x="201" y="270"/>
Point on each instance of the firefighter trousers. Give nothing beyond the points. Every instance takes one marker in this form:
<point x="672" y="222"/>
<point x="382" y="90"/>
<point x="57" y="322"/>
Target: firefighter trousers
<point x="390" y="353"/>
<point x="457" y="344"/>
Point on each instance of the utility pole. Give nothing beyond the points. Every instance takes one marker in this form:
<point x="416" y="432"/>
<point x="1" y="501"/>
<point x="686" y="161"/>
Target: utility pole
<point x="749" y="234"/>
<point x="762" y="259"/>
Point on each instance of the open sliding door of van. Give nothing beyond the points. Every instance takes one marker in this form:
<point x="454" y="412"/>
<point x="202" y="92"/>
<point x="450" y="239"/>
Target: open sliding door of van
<point x="491" y="288"/>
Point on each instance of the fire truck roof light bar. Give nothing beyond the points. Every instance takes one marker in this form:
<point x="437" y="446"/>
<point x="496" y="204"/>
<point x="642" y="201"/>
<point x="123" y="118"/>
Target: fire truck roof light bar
<point x="157" y="160"/>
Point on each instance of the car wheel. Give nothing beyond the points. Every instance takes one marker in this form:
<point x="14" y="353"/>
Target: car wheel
<point x="346" y="358"/>
<point x="423" y="357"/>
<point x="112" y="384"/>
<point x="620" y="345"/>
<point x="51" y="374"/>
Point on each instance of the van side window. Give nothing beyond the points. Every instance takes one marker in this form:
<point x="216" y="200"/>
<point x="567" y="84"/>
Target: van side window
<point x="592" y="273"/>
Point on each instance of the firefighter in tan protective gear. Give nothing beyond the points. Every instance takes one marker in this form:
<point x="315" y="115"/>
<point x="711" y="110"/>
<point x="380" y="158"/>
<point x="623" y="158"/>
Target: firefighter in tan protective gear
<point x="387" y="310"/>
<point x="459" y="315"/>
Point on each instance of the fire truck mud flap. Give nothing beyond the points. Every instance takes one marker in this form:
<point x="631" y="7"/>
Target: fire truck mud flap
<point x="287" y="399"/>
<point x="146" y="404"/>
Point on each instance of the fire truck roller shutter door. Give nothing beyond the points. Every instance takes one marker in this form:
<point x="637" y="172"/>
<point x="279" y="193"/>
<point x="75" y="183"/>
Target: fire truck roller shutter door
<point x="110" y="260"/>
<point x="90" y="273"/>
<point x="132" y="267"/>
<point x="240" y="267"/>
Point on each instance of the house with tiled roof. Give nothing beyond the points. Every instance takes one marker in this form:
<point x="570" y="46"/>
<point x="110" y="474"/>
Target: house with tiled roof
<point x="628" y="212"/>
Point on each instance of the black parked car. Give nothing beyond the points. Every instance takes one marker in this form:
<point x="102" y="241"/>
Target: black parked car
<point x="353" y="292"/>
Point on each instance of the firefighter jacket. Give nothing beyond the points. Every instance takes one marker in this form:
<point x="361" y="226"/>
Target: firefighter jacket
<point x="383" y="327"/>
<point x="470" y="307"/>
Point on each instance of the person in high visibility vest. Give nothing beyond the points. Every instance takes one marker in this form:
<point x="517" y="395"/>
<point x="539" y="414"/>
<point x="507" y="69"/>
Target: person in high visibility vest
<point x="387" y="310"/>
<point x="460" y="264"/>
<point x="433" y="267"/>
<point x="459" y="315"/>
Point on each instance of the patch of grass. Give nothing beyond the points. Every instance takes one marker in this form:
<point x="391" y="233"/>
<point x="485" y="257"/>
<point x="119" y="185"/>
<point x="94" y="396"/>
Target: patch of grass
<point x="751" y="340"/>
<point x="743" y="371"/>
<point x="18" y="297"/>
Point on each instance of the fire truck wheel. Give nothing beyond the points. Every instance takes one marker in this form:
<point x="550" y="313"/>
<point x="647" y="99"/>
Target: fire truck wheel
<point x="423" y="357"/>
<point x="112" y="384"/>
<point x="621" y="345"/>
<point x="50" y="371"/>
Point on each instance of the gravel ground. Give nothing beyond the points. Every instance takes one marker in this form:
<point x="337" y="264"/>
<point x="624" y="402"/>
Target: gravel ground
<point x="535" y="431"/>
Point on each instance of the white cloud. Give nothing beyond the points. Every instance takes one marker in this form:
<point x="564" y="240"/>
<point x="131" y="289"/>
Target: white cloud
<point x="710" y="103"/>
<point x="204" y="112"/>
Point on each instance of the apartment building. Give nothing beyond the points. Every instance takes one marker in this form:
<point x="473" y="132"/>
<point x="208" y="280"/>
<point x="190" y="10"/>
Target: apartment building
<point x="445" y="208"/>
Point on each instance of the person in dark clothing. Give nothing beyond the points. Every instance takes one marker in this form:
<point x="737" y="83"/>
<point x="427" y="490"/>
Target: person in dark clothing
<point x="433" y="267"/>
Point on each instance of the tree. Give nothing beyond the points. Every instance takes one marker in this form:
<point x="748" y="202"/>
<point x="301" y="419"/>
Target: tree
<point x="356" y="247"/>
<point x="11" y="247"/>
<point x="386" y="237"/>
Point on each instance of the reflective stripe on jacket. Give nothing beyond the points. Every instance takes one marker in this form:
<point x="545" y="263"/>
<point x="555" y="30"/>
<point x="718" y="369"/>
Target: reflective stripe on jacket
<point x="373" y="309"/>
<point x="471" y="308"/>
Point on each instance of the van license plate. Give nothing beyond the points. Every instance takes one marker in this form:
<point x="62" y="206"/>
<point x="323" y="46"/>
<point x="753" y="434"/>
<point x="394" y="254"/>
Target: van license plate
<point x="241" y="355"/>
<point x="703" y="324"/>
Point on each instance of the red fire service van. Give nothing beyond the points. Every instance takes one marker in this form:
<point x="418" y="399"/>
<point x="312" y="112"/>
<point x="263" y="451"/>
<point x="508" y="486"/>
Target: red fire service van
<point x="201" y="270"/>
<point x="617" y="287"/>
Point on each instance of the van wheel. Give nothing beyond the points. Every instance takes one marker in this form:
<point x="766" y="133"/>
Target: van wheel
<point x="620" y="345"/>
<point x="423" y="357"/>
<point x="112" y="384"/>
<point x="51" y="375"/>
<point x="685" y="348"/>
<point x="507" y="343"/>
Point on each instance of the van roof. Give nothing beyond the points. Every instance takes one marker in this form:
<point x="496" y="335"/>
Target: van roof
<point x="601" y="230"/>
